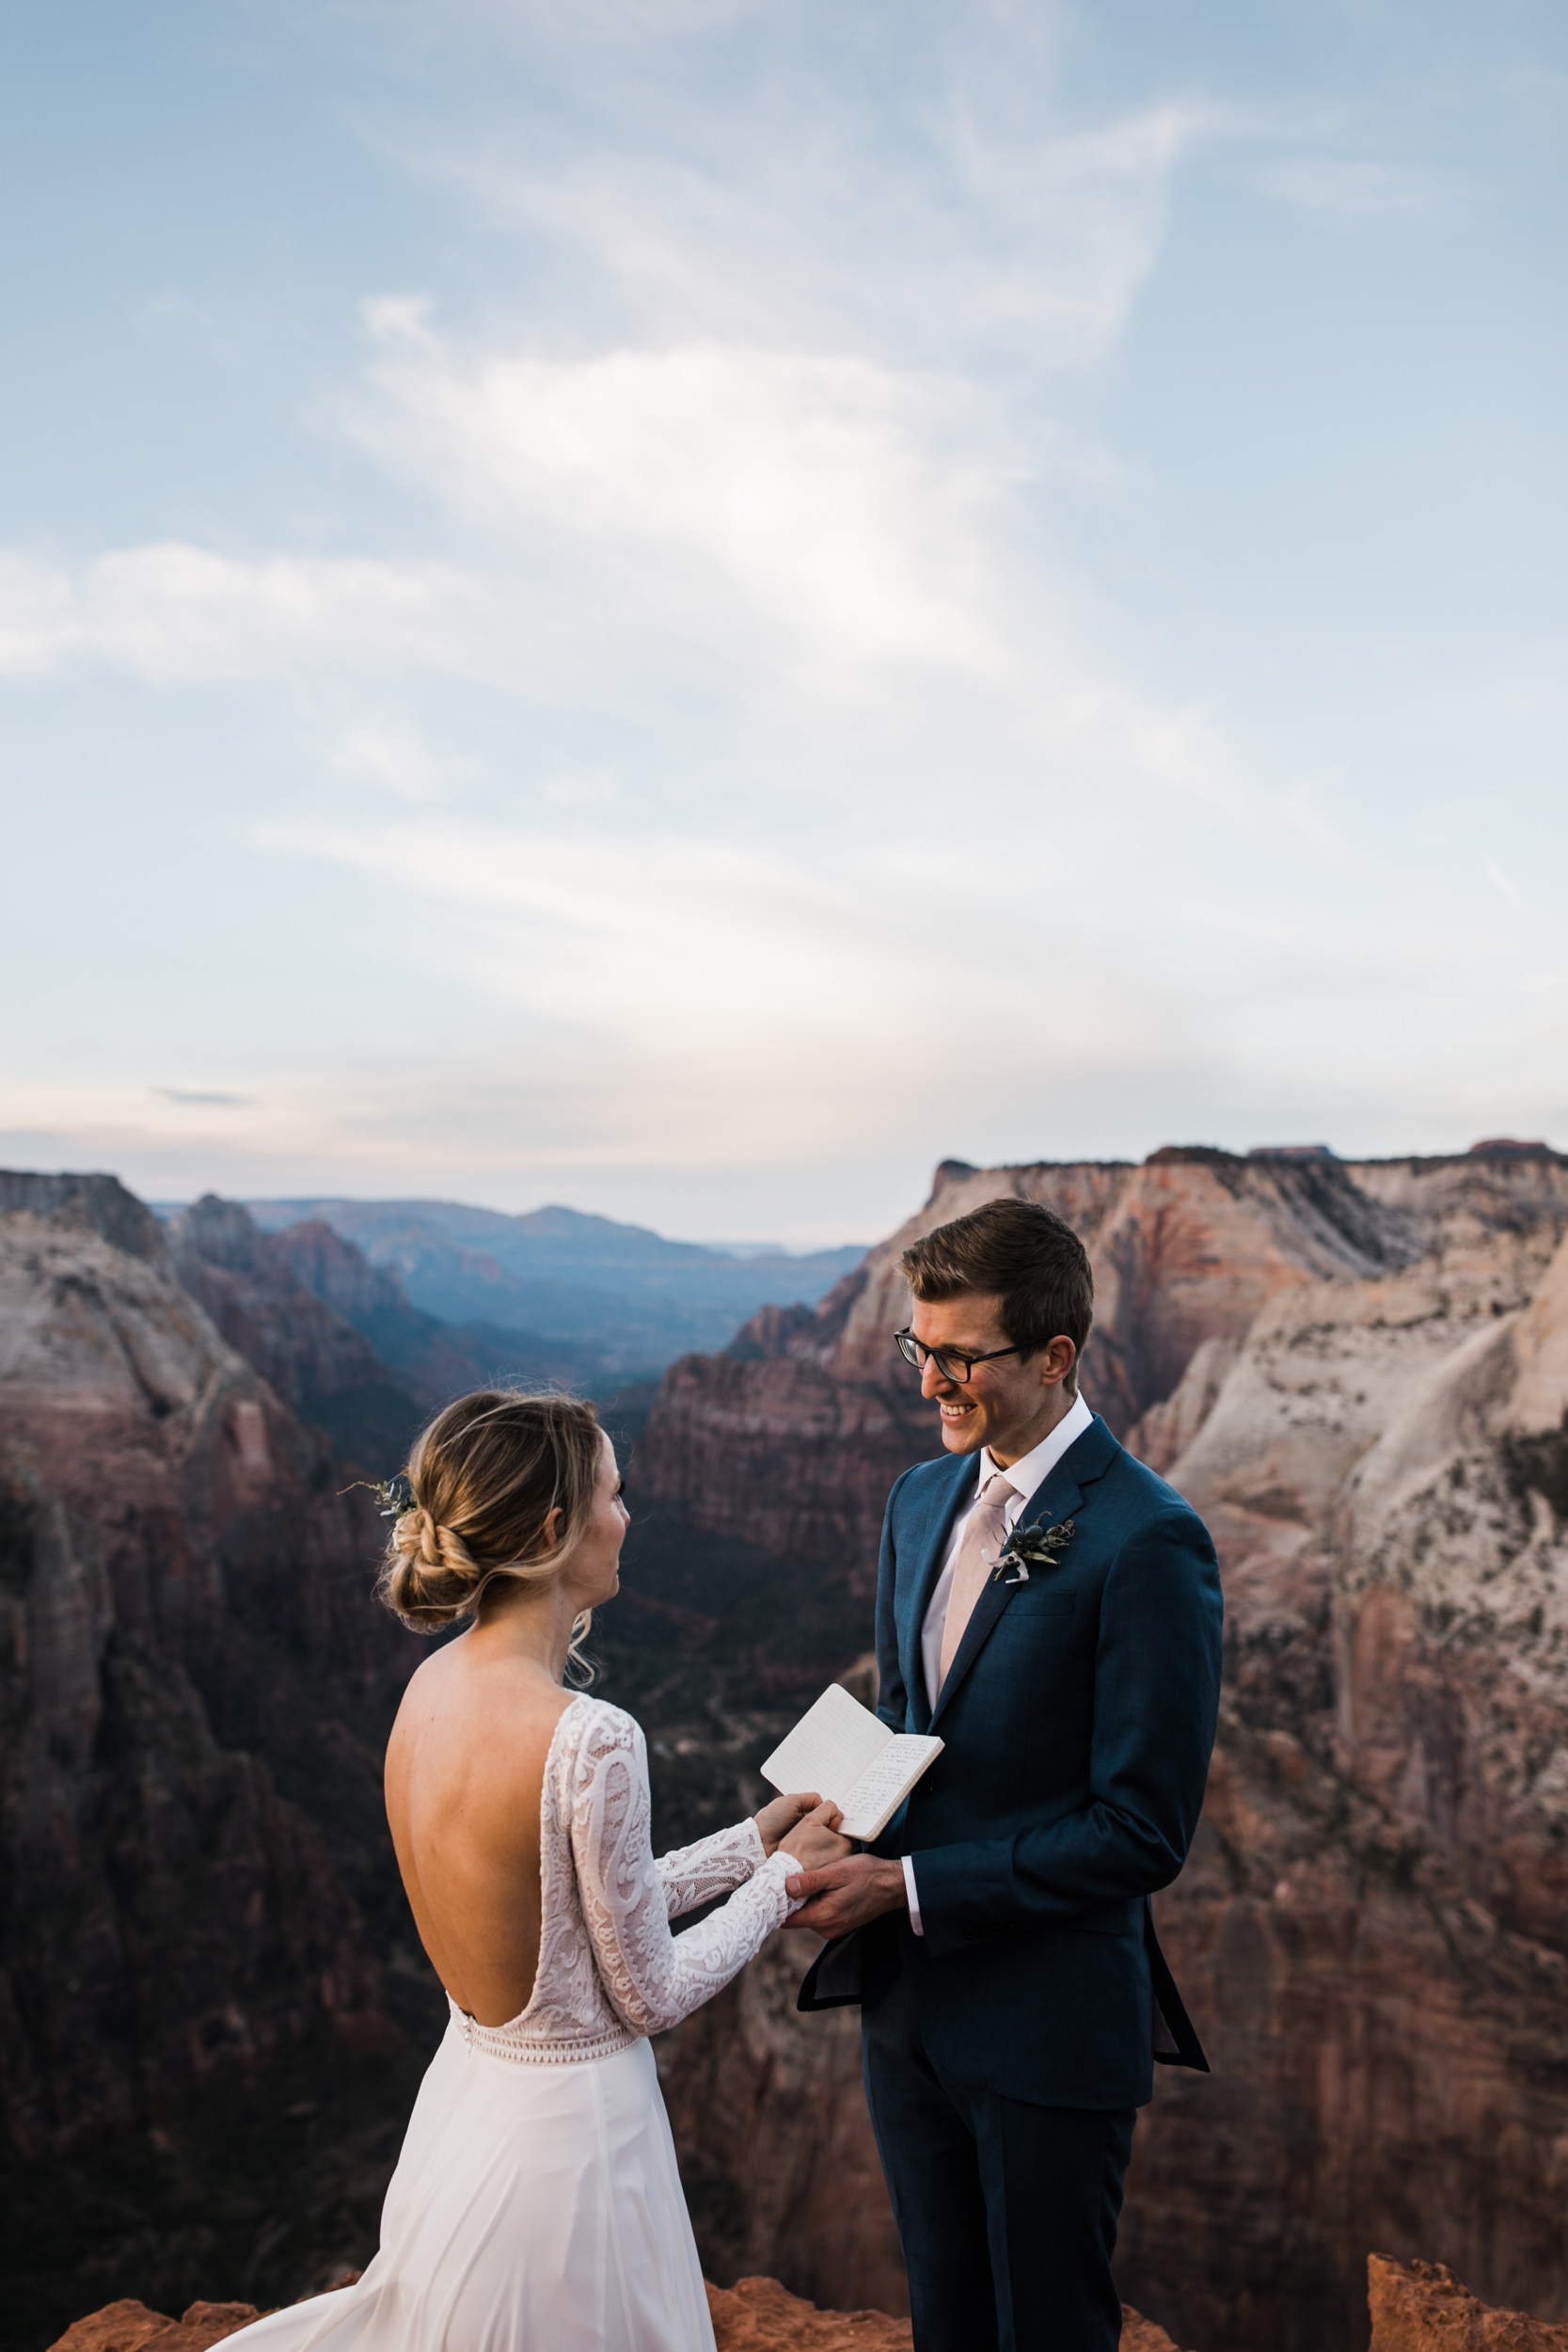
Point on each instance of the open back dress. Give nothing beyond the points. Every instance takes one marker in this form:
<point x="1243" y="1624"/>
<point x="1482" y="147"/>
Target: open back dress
<point x="536" y="2205"/>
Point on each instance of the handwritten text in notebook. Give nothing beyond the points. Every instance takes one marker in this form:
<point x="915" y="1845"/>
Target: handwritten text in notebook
<point x="843" y="1751"/>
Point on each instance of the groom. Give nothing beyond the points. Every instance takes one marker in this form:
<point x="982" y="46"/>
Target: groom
<point x="998" y="1936"/>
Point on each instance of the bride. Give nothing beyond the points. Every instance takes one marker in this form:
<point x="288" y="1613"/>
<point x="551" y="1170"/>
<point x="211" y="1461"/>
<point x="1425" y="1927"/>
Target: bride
<point x="536" y="2207"/>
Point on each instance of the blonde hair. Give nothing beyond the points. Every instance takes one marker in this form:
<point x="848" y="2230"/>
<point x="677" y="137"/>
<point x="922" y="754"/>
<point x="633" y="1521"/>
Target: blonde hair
<point x="485" y="1478"/>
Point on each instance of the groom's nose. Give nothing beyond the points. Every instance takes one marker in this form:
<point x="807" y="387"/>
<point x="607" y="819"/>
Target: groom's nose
<point x="933" y="1380"/>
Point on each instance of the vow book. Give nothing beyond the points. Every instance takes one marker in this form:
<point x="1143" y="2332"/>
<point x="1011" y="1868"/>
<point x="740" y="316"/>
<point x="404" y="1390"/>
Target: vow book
<point x="844" y="1752"/>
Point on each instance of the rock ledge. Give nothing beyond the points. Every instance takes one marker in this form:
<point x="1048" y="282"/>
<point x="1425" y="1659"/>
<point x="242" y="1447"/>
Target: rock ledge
<point x="1422" y="2307"/>
<point x="754" y="2315"/>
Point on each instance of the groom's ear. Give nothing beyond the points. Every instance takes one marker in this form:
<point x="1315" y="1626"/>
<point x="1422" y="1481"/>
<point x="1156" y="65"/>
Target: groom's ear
<point x="1057" y="1361"/>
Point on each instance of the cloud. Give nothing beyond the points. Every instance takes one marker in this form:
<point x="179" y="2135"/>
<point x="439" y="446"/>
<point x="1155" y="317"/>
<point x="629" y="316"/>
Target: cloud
<point x="390" y="750"/>
<point x="841" y="501"/>
<point x="199" y="1096"/>
<point x="678" y="944"/>
<point x="747" y="1004"/>
<point x="710" y="499"/>
<point x="172" y="614"/>
<point x="808" y="545"/>
<point x="804" y="554"/>
<point x="976" y="240"/>
<point x="1348" y="192"/>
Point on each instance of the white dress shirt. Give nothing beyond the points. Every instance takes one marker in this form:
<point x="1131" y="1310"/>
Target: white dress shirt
<point x="1026" y="1475"/>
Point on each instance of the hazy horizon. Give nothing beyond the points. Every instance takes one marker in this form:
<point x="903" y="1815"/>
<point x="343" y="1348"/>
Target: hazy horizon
<point x="733" y="1244"/>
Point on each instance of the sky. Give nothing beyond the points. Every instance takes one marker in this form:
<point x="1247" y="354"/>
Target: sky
<point x="689" y="606"/>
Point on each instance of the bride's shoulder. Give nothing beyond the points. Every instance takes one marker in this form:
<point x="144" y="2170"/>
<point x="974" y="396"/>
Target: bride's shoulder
<point x="593" y="1729"/>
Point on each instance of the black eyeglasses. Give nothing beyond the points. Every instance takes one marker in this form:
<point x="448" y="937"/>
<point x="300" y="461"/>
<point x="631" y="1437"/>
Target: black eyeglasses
<point x="948" y="1360"/>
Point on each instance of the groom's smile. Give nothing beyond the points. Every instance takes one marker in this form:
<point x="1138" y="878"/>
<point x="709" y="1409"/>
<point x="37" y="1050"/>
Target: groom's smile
<point x="1008" y="1404"/>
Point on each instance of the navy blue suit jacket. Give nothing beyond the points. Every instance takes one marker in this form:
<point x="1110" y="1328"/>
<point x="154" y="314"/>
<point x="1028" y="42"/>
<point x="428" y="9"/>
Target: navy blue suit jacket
<point x="1078" y="1715"/>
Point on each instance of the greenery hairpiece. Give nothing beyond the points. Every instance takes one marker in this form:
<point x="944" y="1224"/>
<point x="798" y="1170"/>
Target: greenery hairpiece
<point x="393" y="1496"/>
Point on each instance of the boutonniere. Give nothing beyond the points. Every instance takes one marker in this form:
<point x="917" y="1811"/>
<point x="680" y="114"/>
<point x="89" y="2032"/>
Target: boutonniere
<point x="1029" y="1547"/>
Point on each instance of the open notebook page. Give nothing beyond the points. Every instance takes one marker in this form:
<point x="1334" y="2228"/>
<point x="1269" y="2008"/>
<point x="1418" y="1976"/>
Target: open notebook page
<point x="842" y="1750"/>
<point x="829" y="1748"/>
<point x="886" y="1781"/>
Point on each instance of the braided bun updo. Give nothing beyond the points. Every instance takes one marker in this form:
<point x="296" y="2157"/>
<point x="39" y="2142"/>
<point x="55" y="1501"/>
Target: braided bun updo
<point x="485" y="1477"/>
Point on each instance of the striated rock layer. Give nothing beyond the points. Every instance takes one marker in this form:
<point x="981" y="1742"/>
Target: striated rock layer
<point x="185" y="1623"/>
<point x="1372" y="1927"/>
<point x="1360" y="1374"/>
<point x="790" y="1439"/>
<point x="335" y="1337"/>
<point x="274" y="1298"/>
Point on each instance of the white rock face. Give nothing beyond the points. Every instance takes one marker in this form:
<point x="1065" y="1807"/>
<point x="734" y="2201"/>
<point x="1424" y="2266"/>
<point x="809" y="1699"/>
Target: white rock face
<point x="1392" y="1453"/>
<point x="1327" y="1370"/>
<point x="1540" y="1392"/>
<point x="86" y="1327"/>
<point x="1452" y="1612"/>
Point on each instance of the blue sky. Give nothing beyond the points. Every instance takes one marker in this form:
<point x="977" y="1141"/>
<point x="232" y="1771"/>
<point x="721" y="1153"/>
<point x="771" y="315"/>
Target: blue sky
<point x="688" y="606"/>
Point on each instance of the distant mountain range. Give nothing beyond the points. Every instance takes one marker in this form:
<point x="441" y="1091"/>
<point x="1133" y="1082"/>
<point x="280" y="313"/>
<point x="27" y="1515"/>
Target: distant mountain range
<point x="616" y="1301"/>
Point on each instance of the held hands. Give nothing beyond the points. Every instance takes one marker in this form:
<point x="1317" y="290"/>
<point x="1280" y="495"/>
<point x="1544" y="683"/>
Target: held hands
<point x="844" y="1895"/>
<point x="815" y="1817"/>
<point x="812" y="1843"/>
<point x="845" y="1889"/>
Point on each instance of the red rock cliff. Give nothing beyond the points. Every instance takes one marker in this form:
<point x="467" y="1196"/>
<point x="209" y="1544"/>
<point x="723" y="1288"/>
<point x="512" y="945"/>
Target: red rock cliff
<point x="791" y="1438"/>
<point x="182" y="1593"/>
<point x="1361" y="1376"/>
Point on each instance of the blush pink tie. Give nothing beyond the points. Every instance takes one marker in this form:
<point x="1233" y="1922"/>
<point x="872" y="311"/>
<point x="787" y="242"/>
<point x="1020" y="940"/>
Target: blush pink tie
<point x="986" y="1535"/>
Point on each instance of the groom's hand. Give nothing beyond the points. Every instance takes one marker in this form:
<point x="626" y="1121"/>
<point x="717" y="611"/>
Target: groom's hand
<point x="775" y="1822"/>
<point x="846" y="1894"/>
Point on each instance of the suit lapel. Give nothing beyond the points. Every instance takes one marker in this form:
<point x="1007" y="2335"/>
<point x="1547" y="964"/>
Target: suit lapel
<point x="963" y="1477"/>
<point x="1056" y="1499"/>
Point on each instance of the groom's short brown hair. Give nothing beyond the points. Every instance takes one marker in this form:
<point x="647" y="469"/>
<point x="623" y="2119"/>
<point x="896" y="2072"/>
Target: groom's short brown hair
<point x="1020" y="1252"/>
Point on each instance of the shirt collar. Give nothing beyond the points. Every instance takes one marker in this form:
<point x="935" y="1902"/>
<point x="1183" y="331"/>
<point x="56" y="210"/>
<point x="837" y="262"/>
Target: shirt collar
<point x="1031" y="1470"/>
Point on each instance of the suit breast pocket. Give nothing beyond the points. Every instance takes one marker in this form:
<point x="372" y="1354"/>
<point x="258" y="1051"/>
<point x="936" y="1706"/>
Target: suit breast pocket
<point x="1045" y="1603"/>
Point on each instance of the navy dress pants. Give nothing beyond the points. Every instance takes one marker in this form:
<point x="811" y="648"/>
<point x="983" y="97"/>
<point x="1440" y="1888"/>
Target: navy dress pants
<point x="1006" y="2212"/>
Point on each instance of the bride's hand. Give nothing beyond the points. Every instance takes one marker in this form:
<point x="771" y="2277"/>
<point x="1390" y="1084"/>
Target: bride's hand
<point x="776" y="1820"/>
<point x="812" y="1842"/>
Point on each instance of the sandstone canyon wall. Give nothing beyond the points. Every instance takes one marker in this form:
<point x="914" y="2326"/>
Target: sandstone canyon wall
<point x="1373" y="1927"/>
<point x="1360" y="1374"/>
<point x="194" y="1689"/>
<point x="283" y="1301"/>
<point x="336" y="1338"/>
<point x="758" y="1443"/>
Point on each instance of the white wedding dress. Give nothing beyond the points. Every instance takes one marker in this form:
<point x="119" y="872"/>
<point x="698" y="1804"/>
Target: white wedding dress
<point x="536" y="2205"/>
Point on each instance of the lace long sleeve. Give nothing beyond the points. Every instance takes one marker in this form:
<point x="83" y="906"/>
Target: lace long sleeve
<point x="652" y="1978"/>
<point x="690" y="1875"/>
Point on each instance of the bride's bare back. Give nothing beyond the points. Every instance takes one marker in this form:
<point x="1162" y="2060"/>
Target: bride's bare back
<point x="502" y="1483"/>
<point x="465" y="1764"/>
<point x="464" y="1776"/>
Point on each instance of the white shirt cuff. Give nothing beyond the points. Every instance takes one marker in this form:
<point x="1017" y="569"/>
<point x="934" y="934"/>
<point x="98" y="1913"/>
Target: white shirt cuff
<point x="912" y="1892"/>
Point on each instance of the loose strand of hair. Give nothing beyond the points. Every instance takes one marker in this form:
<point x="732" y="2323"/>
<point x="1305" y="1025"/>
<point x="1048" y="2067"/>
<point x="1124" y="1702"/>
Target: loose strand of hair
<point x="580" y="1669"/>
